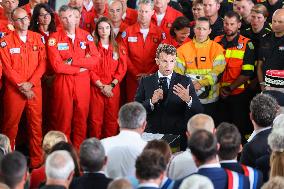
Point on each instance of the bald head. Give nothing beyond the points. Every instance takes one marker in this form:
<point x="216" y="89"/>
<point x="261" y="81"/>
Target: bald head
<point x="200" y="121"/>
<point x="278" y="22"/>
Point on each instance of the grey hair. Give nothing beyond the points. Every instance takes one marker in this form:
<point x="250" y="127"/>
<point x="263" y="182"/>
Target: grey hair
<point x="131" y="115"/>
<point x="64" y="8"/>
<point x="196" y="182"/>
<point x="276" y="139"/>
<point x="151" y="2"/>
<point x="59" y="165"/>
<point x="264" y="109"/>
<point x="279" y="121"/>
<point x="200" y="121"/>
<point x="92" y="155"/>
<point x="5" y="143"/>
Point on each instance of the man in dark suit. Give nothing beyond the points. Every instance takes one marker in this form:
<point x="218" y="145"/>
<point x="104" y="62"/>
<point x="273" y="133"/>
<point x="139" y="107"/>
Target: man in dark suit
<point x="151" y="168"/>
<point x="263" y="110"/>
<point x="168" y="97"/>
<point x="229" y="139"/>
<point x="92" y="161"/>
<point x="203" y="146"/>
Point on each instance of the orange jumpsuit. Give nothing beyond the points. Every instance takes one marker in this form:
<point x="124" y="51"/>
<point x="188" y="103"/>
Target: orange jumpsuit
<point x="103" y="110"/>
<point x="23" y="62"/>
<point x="71" y="88"/>
<point x="169" y="18"/>
<point x="130" y="17"/>
<point x="141" y="54"/>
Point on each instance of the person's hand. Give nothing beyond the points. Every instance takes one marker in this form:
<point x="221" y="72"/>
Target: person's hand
<point x="25" y="86"/>
<point x="107" y="91"/>
<point x="196" y="85"/>
<point x="225" y="92"/>
<point x="182" y="93"/>
<point x="157" y="95"/>
<point x="29" y="94"/>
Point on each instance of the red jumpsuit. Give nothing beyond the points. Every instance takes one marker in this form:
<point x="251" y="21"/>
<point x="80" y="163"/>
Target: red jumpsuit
<point x="130" y="17"/>
<point x="95" y="17"/>
<point x="122" y="28"/>
<point x="23" y="62"/>
<point x="5" y="27"/>
<point x="171" y="41"/>
<point x="103" y="110"/>
<point x="169" y="18"/>
<point x="71" y="88"/>
<point x="141" y="55"/>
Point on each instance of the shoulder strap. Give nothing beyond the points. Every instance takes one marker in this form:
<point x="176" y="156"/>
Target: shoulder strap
<point x="252" y="174"/>
<point x="235" y="180"/>
<point x="167" y="183"/>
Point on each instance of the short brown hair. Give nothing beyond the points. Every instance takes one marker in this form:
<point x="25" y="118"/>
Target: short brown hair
<point x="260" y="9"/>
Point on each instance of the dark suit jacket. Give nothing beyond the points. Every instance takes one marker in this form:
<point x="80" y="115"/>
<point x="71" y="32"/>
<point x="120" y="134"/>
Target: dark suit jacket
<point x="90" y="181"/>
<point x="238" y="168"/>
<point x="256" y="148"/>
<point x="171" y="115"/>
<point x="218" y="177"/>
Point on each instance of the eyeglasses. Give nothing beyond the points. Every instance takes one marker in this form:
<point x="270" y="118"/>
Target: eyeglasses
<point x="21" y="19"/>
<point x="44" y="15"/>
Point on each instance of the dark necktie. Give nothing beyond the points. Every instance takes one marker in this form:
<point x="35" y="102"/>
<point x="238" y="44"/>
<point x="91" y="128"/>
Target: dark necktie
<point x="163" y="84"/>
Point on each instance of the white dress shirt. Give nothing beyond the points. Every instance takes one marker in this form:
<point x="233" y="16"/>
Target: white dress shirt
<point x="122" y="151"/>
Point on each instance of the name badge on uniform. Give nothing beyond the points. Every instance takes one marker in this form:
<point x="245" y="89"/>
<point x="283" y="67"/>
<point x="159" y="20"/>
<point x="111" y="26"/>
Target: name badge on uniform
<point x="62" y="46"/>
<point x="83" y="45"/>
<point x="15" y="50"/>
<point x="132" y="39"/>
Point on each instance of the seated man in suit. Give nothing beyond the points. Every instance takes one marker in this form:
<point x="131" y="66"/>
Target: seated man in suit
<point x="263" y="110"/>
<point x="151" y="168"/>
<point x="168" y="97"/>
<point x="204" y="147"/>
<point x="92" y="160"/>
<point x="229" y="138"/>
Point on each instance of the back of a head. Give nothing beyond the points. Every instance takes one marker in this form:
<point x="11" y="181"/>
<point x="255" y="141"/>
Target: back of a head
<point x="120" y="184"/>
<point x="52" y="138"/>
<point x="196" y="181"/>
<point x="161" y="146"/>
<point x="4" y="186"/>
<point x="59" y="165"/>
<point x="274" y="183"/>
<point x="276" y="139"/>
<point x="278" y="121"/>
<point x="150" y="165"/>
<point x="229" y="138"/>
<point x="203" y="145"/>
<point x="131" y="115"/>
<point x="92" y="155"/>
<point x="13" y="168"/>
<point x="200" y="121"/>
<point x="263" y="109"/>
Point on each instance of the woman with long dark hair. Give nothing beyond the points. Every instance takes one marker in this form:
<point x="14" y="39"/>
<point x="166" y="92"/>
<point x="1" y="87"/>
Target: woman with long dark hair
<point x="105" y="90"/>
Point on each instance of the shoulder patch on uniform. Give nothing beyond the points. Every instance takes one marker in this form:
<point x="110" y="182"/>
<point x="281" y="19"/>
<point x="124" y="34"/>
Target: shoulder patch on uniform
<point x="164" y="35"/>
<point x="51" y="41"/>
<point x="2" y="34"/>
<point x="123" y="34"/>
<point x="42" y="39"/>
<point x="3" y="44"/>
<point x="240" y="46"/>
<point x="250" y="45"/>
<point x="90" y="38"/>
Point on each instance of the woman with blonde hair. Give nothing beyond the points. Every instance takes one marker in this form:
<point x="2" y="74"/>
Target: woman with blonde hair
<point x="105" y="80"/>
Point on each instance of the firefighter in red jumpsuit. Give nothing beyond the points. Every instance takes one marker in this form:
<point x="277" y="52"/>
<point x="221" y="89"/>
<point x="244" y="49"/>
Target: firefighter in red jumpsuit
<point x="141" y="41"/>
<point x="72" y="54"/>
<point x="105" y="90"/>
<point x="23" y="57"/>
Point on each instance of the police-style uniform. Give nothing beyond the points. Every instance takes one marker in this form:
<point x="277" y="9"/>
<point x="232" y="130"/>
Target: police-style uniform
<point x="71" y="87"/>
<point x="272" y="8"/>
<point x="217" y="28"/>
<point x="141" y="54"/>
<point x="23" y="62"/>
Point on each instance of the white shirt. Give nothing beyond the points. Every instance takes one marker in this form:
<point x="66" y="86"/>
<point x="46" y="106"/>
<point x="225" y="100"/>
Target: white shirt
<point x="210" y="165"/>
<point x="105" y="46"/>
<point x="255" y="132"/>
<point x="23" y="38"/>
<point x="149" y="184"/>
<point x="115" y="31"/>
<point x="122" y="151"/>
<point x="88" y="6"/>
<point x="160" y="18"/>
<point x="144" y="32"/>
<point x="177" y="169"/>
<point x="72" y="37"/>
<point x="229" y="161"/>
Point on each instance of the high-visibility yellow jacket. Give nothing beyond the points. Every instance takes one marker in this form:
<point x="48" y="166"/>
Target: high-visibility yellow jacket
<point x="205" y="60"/>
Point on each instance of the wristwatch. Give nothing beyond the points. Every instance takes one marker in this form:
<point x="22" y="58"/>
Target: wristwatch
<point x="112" y="85"/>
